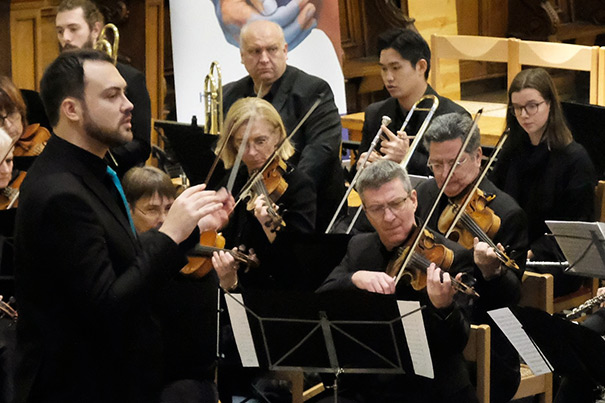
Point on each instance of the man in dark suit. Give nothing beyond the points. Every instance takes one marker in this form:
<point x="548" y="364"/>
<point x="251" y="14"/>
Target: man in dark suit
<point x="390" y="205"/>
<point x="78" y="24"/>
<point x="498" y="285"/>
<point x="84" y="279"/>
<point x="405" y="61"/>
<point x="291" y="91"/>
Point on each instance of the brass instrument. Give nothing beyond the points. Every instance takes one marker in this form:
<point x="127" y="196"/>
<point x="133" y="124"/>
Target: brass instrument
<point x="105" y="45"/>
<point x="213" y="100"/>
<point x="425" y="124"/>
<point x="585" y="307"/>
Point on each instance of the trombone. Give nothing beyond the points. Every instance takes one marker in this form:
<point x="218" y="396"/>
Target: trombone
<point x="425" y="124"/>
<point x="105" y="45"/>
<point x="213" y="99"/>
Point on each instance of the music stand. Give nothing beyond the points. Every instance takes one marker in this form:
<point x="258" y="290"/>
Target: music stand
<point x="335" y="333"/>
<point x="193" y="148"/>
<point x="583" y="245"/>
<point x="575" y="351"/>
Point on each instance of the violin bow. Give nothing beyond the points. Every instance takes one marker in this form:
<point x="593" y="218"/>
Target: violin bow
<point x="467" y="139"/>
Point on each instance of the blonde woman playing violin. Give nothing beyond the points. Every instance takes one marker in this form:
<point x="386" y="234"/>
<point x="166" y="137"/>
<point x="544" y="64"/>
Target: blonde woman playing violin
<point x="280" y="203"/>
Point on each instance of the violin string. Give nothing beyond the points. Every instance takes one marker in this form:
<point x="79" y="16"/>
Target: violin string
<point x="421" y="262"/>
<point x="476" y="230"/>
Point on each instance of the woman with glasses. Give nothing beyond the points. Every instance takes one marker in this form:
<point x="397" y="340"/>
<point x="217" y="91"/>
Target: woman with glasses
<point x="544" y="169"/>
<point x="254" y="128"/>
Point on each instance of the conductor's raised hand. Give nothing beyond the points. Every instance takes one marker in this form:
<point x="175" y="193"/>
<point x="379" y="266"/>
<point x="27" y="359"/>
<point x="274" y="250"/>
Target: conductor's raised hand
<point x="374" y="281"/>
<point x="218" y="219"/>
<point x="188" y="209"/>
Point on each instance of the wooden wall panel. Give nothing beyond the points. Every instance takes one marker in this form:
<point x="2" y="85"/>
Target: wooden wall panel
<point x="24" y="48"/>
<point x="5" y="38"/>
<point x="154" y="51"/>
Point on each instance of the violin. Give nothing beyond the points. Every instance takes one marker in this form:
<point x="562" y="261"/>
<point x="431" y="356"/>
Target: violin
<point x="6" y="310"/>
<point x="470" y="216"/>
<point x="427" y="250"/>
<point x="199" y="258"/>
<point x="272" y="186"/>
<point x="32" y="141"/>
<point x="9" y="195"/>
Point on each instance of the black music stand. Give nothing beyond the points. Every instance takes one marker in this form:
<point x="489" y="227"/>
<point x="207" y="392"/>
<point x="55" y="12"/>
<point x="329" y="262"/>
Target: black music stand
<point x="194" y="150"/>
<point x="335" y="333"/>
<point x="573" y="350"/>
<point x="583" y="244"/>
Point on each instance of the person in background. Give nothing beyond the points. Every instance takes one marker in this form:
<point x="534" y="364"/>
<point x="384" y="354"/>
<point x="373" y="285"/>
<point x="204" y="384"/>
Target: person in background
<point x="549" y="175"/>
<point x="292" y="92"/>
<point x="185" y="306"/>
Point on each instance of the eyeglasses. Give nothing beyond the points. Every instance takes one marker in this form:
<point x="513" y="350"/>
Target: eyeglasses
<point x="440" y="166"/>
<point x="530" y="108"/>
<point x="394" y="207"/>
<point x="257" y="143"/>
<point x="12" y="117"/>
<point x="154" y="211"/>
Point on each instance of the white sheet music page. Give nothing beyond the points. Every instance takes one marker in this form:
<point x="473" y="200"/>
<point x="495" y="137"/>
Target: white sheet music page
<point x="241" y="330"/>
<point x="415" y="334"/>
<point x="513" y="330"/>
<point x="575" y="239"/>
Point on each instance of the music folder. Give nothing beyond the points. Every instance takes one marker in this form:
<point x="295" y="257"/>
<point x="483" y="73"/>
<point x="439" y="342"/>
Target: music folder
<point x="583" y="244"/>
<point x="336" y="332"/>
<point x="570" y="349"/>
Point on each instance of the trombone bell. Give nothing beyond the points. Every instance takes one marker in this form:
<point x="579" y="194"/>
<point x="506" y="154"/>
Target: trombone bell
<point x="213" y="100"/>
<point x="105" y="45"/>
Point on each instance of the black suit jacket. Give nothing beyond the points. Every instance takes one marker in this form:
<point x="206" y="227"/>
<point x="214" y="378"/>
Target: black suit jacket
<point x="447" y="330"/>
<point x="317" y="142"/>
<point x="391" y="108"/>
<point x="84" y="286"/>
<point x="499" y="292"/>
<point x="137" y="151"/>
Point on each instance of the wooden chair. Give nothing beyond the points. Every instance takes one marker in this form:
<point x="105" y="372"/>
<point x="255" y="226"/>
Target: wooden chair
<point x="555" y="55"/>
<point x="465" y="47"/>
<point x="478" y="350"/>
<point x="299" y="394"/>
<point x="536" y="292"/>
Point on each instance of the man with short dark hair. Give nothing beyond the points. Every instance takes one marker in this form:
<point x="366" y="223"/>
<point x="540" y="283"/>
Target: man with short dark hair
<point x="292" y="92"/>
<point x="390" y="204"/>
<point x="405" y="62"/>
<point x="84" y="278"/>
<point x="78" y="25"/>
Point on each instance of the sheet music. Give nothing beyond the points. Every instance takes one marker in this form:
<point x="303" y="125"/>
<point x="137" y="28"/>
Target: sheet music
<point x="241" y="330"/>
<point x="576" y="241"/>
<point x="513" y="330"/>
<point x="415" y="333"/>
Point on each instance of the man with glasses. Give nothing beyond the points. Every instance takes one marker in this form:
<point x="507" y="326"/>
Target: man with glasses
<point x="498" y="285"/>
<point x="292" y="92"/>
<point x="390" y="204"/>
<point x="188" y="329"/>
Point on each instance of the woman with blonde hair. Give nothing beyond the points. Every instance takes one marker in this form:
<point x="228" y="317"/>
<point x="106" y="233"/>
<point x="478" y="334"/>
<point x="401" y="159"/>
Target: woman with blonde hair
<point x="544" y="169"/>
<point x="260" y="122"/>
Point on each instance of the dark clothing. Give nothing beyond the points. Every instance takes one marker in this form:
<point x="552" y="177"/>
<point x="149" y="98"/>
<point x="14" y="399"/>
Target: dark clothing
<point x="318" y="140"/>
<point x="447" y="330"/>
<point x="548" y="185"/>
<point x="496" y="293"/>
<point x="137" y="151"/>
<point x="85" y="284"/>
<point x="297" y="206"/>
<point x="391" y="108"/>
